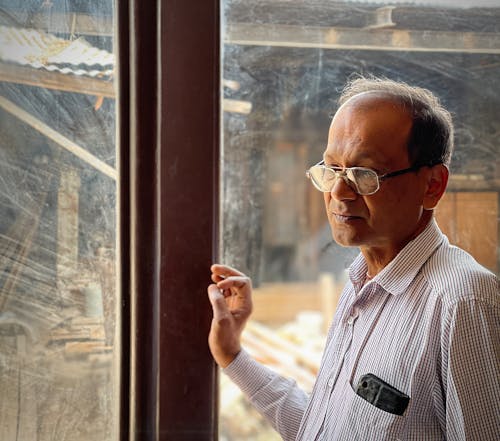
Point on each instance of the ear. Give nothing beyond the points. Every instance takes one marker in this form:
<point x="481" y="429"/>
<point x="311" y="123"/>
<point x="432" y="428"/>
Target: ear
<point x="437" y="179"/>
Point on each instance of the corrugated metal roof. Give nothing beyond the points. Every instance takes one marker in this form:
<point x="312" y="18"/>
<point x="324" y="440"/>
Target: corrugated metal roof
<point x="442" y="3"/>
<point x="40" y="50"/>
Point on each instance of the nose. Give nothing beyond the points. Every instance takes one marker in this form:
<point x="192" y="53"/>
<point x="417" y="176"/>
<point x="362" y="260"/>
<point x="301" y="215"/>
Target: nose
<point x="342" y="190"/>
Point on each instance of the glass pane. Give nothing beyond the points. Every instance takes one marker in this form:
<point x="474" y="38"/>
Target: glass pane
<point x="57" y="221"/>
<point x="284" y="65"/>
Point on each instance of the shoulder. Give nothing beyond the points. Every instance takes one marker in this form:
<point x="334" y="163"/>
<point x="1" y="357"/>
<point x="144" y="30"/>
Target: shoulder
<point x="454" y="276"/>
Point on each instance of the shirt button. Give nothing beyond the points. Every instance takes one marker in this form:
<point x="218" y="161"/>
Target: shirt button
<point x="350" y="320"/>
<point x="330" y="383"/>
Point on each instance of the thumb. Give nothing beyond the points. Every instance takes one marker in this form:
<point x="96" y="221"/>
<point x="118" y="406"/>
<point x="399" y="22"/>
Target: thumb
<point x="218" y="302"/>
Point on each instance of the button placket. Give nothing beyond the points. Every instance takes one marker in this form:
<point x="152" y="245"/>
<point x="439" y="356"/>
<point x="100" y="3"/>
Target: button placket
<point x="345" y="345"/>
<point x="372" y="317"/>
<point x="352" y="318"/>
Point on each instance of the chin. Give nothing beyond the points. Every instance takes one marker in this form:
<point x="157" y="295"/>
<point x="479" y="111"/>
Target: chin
<point x="346" y="239"/>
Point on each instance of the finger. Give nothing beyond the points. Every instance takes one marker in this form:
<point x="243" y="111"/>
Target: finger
<point x="233" y="282"/>
<point x="217" y="277"/>
<point x="218" y="302"/>
<point x="225" y="270"/>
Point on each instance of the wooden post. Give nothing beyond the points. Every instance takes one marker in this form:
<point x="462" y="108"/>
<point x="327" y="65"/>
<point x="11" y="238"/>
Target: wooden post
<point x="67" y="224"/>
<point x="329" y="298"/>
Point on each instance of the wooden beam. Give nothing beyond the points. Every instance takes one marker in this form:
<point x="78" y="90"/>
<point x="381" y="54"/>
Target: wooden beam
<point x="84" y="85"/>
<point x="362" y="39"/>
<point x="56" y="80"/>
<point x="72" y="23"/>
<point x="59" y="139"/>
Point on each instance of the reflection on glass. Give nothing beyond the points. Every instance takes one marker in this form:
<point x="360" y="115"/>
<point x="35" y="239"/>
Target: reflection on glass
<point x="57" y="221"/>
<point x="284" y="64"/>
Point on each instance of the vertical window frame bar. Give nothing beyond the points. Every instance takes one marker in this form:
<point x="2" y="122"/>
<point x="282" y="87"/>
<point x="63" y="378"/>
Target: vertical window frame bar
<point x="168" y="124"/>
<point x="189" y="137"/>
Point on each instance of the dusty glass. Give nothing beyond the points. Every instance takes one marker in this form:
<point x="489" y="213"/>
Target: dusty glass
<point x="284" y="64"/>
<point x="57" y="221"/>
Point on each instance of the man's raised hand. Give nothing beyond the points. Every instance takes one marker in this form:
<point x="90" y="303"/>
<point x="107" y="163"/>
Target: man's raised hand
<point x="231" y="299"/>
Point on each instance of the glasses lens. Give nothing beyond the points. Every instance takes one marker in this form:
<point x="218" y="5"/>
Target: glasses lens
<point x="366" y="180"/>
<point x="322" y="177"/>
<point x="362" y="180"/>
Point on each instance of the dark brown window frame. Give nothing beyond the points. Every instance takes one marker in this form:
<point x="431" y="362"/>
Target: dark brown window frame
<point x="168" y="134"/>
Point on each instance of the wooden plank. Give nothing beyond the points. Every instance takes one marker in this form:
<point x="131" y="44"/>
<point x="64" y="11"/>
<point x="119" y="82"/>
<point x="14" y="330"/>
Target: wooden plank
<point x="67" y="224"/>
<point x="278" y="359"/>
<point x="86" y="347"/>
<point x="236" y="106"/>
<point x="470" y="220"/>
<point x="281" y="302"/>
<point x="59" y="139"/>
<point x="30" y="76"/>
<point x="445" y="214"/>
<point x="477" y="226"/>
<point x="330" y="295"/>
<point x="64" y="335"/>
<point x="361" y="39"/>
<point x="267" y="336"/>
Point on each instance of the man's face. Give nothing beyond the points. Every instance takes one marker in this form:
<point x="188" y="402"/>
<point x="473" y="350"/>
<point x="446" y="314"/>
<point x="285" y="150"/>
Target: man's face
<point x="370" y="131"/>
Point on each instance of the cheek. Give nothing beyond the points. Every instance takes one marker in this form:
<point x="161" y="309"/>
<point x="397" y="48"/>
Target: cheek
<point x="392" y="209"/>
<point x="384" y="207"/>
<point x="407" y="197"/>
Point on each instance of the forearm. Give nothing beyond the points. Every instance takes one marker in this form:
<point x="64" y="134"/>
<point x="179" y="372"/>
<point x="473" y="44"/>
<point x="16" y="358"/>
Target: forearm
<point x="278" y="399"/>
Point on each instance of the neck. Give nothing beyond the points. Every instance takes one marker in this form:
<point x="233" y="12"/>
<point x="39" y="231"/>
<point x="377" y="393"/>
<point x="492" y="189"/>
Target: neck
<point x="378" y="257"/>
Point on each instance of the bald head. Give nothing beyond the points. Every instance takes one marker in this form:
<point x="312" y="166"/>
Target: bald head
<point x="371" y="119"/>
<point x="431" y="138"/>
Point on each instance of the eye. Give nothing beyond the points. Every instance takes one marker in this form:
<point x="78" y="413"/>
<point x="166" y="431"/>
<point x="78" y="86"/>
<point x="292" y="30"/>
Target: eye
<point x="363" y="173"/>
<point x="371" y="167"/>
<point x="376" y="170"/>
<point x="334" y="166"/>
<point x="328" y="177"/>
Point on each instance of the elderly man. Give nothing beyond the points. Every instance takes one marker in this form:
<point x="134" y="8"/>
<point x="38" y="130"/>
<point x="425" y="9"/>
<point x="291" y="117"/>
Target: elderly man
<point x="413" y="351"/>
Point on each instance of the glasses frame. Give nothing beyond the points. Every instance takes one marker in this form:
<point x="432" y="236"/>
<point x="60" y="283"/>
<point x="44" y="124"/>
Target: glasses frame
<point x="342" y="173"/>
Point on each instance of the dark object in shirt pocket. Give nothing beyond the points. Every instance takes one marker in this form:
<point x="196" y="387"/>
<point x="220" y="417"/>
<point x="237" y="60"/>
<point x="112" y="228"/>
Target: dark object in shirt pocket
<point x="382" y="395"/>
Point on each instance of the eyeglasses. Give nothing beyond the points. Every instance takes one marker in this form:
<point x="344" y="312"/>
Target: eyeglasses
<point x="363" y="181"/>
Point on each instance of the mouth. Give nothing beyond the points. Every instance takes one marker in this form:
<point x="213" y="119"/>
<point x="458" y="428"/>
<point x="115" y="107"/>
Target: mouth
<point x="342" y="218"/>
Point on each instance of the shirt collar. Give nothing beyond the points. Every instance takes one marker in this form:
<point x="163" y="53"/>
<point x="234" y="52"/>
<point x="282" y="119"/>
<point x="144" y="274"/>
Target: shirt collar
<point x="400" y="272"/>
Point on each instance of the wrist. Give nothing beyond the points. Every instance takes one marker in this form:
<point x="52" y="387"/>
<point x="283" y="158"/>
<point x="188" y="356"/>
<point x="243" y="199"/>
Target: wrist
<point x="224" y="360"/>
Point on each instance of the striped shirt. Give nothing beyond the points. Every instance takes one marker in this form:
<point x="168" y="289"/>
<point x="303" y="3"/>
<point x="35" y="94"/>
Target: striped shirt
<point x="428" y="324"/>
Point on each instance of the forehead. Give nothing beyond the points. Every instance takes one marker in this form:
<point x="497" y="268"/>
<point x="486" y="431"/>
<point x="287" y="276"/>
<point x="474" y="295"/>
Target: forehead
<point x="370" y="126"/>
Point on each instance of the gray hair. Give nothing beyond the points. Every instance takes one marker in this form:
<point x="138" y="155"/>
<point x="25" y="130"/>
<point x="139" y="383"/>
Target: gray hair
<point x="431" y="138"/>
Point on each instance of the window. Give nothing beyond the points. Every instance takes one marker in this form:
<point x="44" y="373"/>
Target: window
<point x="284" y="64"/>
<point x="58" y="181"/>
<point x="155" y="387"/>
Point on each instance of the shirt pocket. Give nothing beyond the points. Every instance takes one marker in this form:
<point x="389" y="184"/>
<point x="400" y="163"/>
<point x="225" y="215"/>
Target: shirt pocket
<point x="367" y="422"/>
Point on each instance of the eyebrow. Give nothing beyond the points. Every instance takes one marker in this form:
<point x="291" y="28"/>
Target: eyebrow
<point x="376" y="163"/>
<point x="359" y="157"/>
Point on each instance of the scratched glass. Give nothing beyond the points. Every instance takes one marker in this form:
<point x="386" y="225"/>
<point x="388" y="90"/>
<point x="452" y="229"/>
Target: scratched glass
<point x="284" y="64"/>
<point x="57" y="221"/>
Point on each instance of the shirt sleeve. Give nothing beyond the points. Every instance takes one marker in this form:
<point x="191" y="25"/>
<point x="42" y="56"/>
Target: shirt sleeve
<point x="278" y="399"/>
<point x="471" y="363"/>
